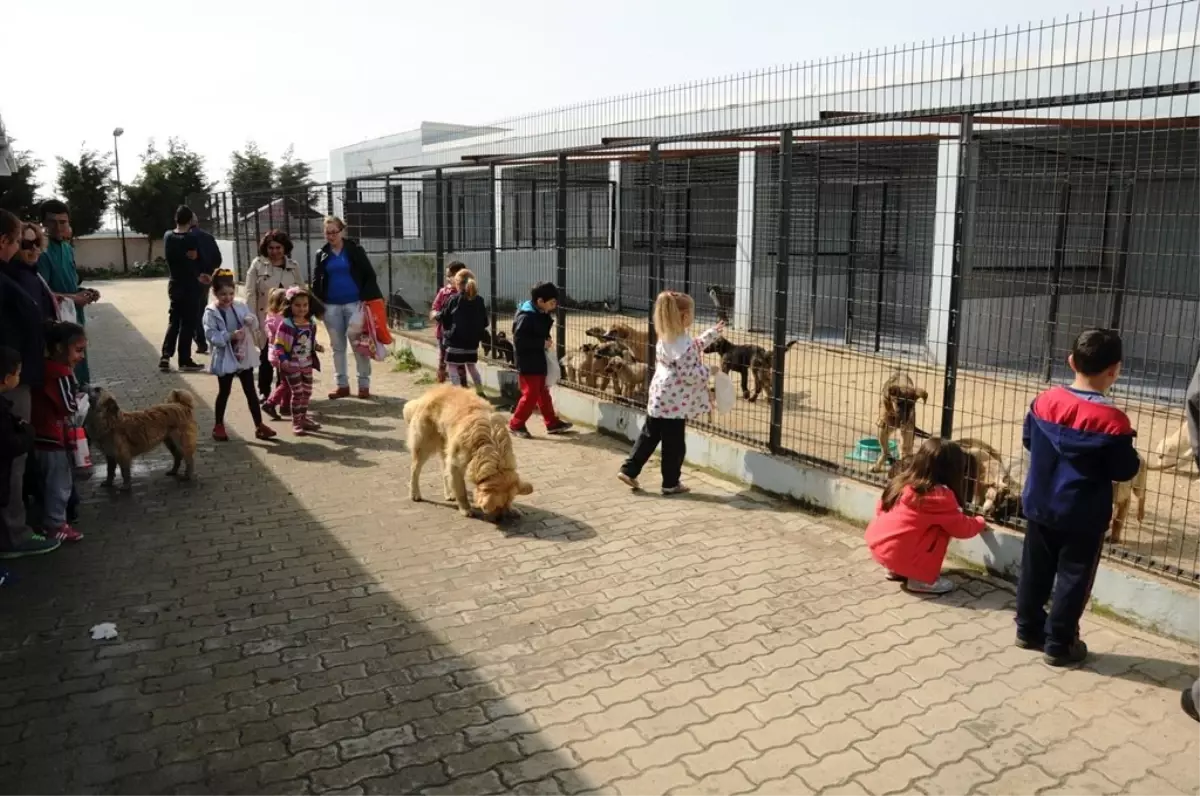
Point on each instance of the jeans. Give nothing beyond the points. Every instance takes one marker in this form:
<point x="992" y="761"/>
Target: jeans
<point x="534" y="395"/>
<point x="337" y="321"/>
<point x="225" y="387"/>
<point x="1062" y="564"/>
<point x="14" y="510"/>
<point x="672" y="432"/>
<point x="181" y="320"/>
<point x="58" y="479"/>
<point x="198" y="329"/>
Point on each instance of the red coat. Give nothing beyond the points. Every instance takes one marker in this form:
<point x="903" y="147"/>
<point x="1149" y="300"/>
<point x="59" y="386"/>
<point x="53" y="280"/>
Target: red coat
<point x="912" y="538"/>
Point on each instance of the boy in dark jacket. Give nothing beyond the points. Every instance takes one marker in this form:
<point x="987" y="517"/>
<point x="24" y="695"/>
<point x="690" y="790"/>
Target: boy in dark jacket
<point x="1078" y="443"/>
<point x="531" y="341"/>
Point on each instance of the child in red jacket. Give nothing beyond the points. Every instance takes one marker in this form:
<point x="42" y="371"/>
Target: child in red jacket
<point x="920" y="511"/>
<point x="53" y="404"/>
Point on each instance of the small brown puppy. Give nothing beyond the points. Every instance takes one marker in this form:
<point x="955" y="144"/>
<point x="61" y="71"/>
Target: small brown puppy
<point x="635" y="339"/>
<point x="897" y="412"/>
<point x="123" y="436"/>
<point x="990" y="485"/>
<point x="629" y="378"/>
<point x="584" y="367"/>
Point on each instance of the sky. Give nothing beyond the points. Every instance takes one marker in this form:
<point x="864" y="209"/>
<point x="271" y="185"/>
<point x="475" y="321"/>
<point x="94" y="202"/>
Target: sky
<point x="319" y="75"/>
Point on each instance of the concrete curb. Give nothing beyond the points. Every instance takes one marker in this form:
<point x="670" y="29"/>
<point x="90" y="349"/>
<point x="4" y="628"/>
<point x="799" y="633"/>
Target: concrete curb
<point x="1140" y="598"/>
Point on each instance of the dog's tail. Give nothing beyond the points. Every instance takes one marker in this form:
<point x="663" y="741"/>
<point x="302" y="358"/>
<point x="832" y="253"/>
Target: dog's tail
<point x="920" y="434"/>
<point x="788" y="347"/>
<point x="183" y="398"/>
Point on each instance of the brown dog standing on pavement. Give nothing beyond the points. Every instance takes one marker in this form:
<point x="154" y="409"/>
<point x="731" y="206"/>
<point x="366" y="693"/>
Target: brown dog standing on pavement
<point x="123" y="436"/>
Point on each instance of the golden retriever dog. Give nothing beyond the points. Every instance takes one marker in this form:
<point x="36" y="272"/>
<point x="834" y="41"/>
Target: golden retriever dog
<point x="897" y="412"/>
<point x="475" y="445"/>
<point x="635" y="339"/>
<point x="123" y="436"/>
<point x="629" y="378"/>
<point x="1123" y="494"/>
<point x="584" y="367"/>
<point x="990" y="484"/>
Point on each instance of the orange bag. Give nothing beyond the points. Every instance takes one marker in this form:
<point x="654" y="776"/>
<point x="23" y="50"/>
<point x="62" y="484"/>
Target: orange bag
<point x="379" y="315"/>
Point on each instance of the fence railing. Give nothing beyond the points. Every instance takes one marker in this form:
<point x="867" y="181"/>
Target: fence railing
<point x="962" y="245"/>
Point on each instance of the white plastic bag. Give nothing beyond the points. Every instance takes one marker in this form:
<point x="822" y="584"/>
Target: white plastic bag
<point x="723" y="387"/>
<point x="66" y="310"/>
<point x="355" y="327"/>
<point x="553" y="370"/>
<point x="82" y="404"/>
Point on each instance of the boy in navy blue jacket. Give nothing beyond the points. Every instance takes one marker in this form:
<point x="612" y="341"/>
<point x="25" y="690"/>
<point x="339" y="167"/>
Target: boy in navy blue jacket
<point x="1078" y="443"/>
<point x="531" y="342"/>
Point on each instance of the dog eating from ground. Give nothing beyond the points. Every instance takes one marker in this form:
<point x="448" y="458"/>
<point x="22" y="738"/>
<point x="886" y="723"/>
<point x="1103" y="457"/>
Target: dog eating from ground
<point x="498" y="347"/>
<point x="635" y="339"/>
<point x="1123" y="494"/>
<point x="475" y="445"/>
<point x="744" y="360"/>
<point x="584" y="367"/>
<point x="629" y="378"/>
<point x="990" y="484"/>
<point x="123" y="436"/>
<point x="897" y="412"/>
<point x="1173" y="453"/>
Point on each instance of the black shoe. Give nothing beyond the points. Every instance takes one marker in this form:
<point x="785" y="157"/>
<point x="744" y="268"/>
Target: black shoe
<point x="1030" y="643"/>
<point x="270" y="411"/>
<point x="164" y="365"/>
<point x="1072" y="655"/>
<point x="561" y="427"/>
<point x="521" y="432"/>
<point x="190" y="367"/>
<point x="202" y="351"/>
<point x="1189" y="703"/>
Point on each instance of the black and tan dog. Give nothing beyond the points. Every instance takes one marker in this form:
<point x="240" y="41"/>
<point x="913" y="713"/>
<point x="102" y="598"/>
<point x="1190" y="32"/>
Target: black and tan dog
<point x="744" y="360"/>
<point x="897" y="412"/>
<point x="635" y="339"/>
<point x="498" y="347"/>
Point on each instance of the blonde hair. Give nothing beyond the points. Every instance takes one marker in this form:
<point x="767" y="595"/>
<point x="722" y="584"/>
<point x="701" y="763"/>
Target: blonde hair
<point x="277" y="300"/>
<point x="673" y="314"/>
<point x="335" y="221"/>
<point x="465" y="282"/>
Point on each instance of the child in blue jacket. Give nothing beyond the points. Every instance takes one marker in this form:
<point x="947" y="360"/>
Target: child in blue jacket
<point x="1078" y="443"/>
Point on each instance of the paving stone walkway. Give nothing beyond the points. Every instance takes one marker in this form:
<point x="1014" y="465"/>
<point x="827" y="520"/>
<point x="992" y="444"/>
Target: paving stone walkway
<point x="291" y="623"/>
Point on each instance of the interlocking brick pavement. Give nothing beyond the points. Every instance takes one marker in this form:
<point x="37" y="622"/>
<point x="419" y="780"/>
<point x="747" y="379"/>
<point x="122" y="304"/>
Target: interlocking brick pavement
<point x="291" y="623"/>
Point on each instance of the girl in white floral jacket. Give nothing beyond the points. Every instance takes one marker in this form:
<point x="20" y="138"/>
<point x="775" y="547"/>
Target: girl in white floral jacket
<point x="679" y="390"/>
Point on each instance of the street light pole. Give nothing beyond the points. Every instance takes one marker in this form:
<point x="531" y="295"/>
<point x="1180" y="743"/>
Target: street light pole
<point x="117" y="133"/>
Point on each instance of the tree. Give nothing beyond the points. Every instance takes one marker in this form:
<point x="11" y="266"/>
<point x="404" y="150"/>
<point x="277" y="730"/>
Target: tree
<point x="292" y="182"/>
<point x="165" y="182"/>
<point x="86" y="189"/>
<point x="251" y="172"/>
<point x="18" y="191"/>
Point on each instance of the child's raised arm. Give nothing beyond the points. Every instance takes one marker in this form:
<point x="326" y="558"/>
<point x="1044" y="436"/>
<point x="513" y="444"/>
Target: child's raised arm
<point x="213" y="331"/>
<point x="706" y="338"/>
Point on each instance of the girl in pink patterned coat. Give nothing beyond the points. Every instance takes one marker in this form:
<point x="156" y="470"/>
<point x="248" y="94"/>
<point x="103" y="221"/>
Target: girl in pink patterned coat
<point x="679" y="390"/>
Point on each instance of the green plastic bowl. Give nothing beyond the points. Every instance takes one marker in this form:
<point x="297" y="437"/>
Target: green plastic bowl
<point x="867" y="450"/>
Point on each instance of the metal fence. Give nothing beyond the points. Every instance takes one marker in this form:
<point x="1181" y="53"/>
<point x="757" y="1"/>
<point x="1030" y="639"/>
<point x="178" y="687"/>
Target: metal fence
<point x="960" y="226"/>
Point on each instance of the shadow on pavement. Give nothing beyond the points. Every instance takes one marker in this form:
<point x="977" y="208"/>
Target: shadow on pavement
<point x="257" y="649"/>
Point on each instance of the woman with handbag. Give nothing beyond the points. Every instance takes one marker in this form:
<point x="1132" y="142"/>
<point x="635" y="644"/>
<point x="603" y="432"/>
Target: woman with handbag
<point x="344" y="278"/>
<point x="272" y="268"/>
<point x="230" y="328"/>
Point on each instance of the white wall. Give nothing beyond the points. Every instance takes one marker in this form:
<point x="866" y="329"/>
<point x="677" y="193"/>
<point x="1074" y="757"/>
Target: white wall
<point x="102" y="251"/>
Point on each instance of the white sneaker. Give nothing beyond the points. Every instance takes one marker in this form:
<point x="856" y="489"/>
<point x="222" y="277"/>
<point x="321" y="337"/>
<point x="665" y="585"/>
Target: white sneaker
<point x="942" y="585"/>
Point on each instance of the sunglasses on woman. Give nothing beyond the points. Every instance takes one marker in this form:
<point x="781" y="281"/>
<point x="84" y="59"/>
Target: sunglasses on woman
<point x="28" y="244"/>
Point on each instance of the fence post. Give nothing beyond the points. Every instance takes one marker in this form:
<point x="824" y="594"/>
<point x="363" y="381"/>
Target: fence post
<point x="237" y="239"/>
<point x="329" y="199"/>
<point x="783" y="254"/>
<point x="963" y="217"/>
<point x="816" y="244"/>
<point x="492" y="276"/>
<point x="439" y="228"/>
<point x="654" y="271"/>
<point x="560" y="247"/>
<point x="879" y="268"/>
<point x="851" y="256"/>
<point x="1118" y="302"/>
<point x="1060" y="254"/>
<point x="305" y="225"/>
<point x="687" y="239"/>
